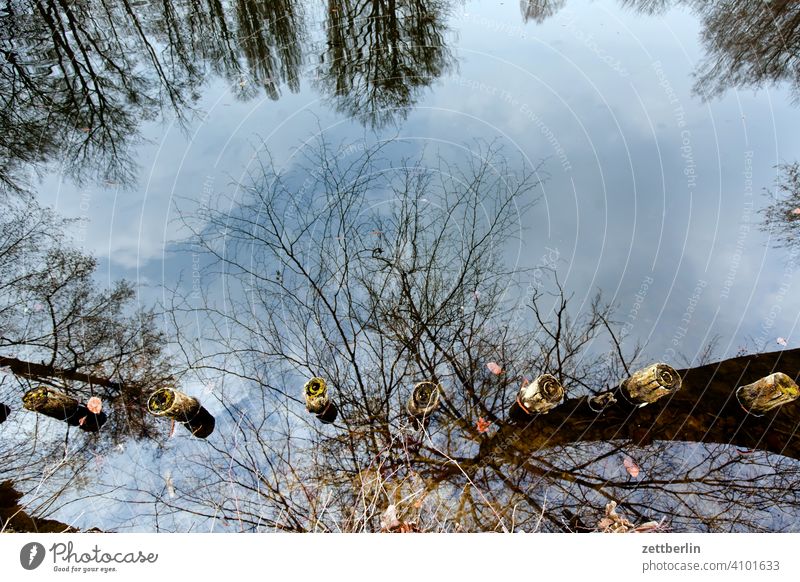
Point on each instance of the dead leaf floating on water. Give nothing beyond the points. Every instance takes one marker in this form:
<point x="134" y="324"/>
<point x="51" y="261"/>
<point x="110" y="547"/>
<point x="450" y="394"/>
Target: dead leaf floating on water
<point x="494" y="368"/>
<point x="631" y="467"/>
<point x="391" y="523"/>
<point x="613" y="522"/>
<point x="483" y="425"/>
<point x="389" y="519"/>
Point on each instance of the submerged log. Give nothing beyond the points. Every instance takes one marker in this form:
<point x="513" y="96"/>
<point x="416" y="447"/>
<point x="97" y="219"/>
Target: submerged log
<point x="58" y="405"/>
<point x="182" y="408"/>
<point x="422" y="403"/>
<point x="767" y="393"/>
<point x="650" y="384"/>
<point x="705" y="410"/>
<point x="318" y="400"/>
<point x="537" y="397"/>
<point x="50" y="403"/>
<point x="4" y="412"/>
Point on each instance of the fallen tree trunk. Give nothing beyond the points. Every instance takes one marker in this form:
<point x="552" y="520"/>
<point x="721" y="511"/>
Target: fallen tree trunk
<point x="422" y="403"/>
<point x="58" y="405"/>
<point x="319" y="402"/>
<point x="182" y="408"/>
<point x="34" y="371"/>
<point x="537" y="397"/>
<point x="705" y="409"/>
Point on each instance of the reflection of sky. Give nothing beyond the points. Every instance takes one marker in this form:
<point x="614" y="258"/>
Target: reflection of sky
<point x="581" y="92"/>
<point x="595" y="92"/>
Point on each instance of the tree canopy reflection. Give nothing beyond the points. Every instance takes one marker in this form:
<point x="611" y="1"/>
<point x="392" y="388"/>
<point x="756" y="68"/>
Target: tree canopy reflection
<point x="377" y="298"/>
<point x="78" y="78"/>
<point x="373" y="298"/>
<point x="748" y="44"/>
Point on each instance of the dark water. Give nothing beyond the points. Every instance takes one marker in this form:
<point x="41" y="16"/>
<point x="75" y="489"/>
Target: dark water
<point x="653" y="131"/>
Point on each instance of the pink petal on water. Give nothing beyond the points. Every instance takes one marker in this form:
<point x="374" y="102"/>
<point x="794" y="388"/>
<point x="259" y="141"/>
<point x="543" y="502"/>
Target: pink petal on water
<point x="781" y="341"/>
<point x="494" y="368"/>
<point x="94" y="404"/>
<point x="631" y="467"/>
<point x="796" y="211"/>
<point x="81" y="420"/>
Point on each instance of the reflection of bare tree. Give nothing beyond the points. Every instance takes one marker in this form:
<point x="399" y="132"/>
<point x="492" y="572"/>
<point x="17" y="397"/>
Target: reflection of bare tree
<point x="748" y="44"/>
<point x="540" y="10"/>
<point x="14" y="518"/>
<point x="652" y="6"/>
<point x="78" y="78"/>
<point x="782" y="215"/>
<point x="59" y="329"/>
<point x="380" y="54"/>
<point x="377" y="298"/>
<point x="269" y="38"/>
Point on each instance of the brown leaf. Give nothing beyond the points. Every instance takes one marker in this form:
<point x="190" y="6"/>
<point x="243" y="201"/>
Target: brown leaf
<point x="389" y="519"/>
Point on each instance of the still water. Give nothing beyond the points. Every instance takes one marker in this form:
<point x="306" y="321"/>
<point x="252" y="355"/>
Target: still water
<point x="651" y="180"/>
<point x="654" y="131"/>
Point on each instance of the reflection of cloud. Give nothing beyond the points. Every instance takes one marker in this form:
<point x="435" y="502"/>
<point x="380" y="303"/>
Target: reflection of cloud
<point x="621" y="141"/>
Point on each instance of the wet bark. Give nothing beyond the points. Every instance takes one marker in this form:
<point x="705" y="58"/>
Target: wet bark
<point x="58" y="405"/>
<point x="705" y="409"/>
<point x="537" y="397"/>
<point x="422" y="403"/>
<point x="182" y="408"/>
<point x="318" y="400"/>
